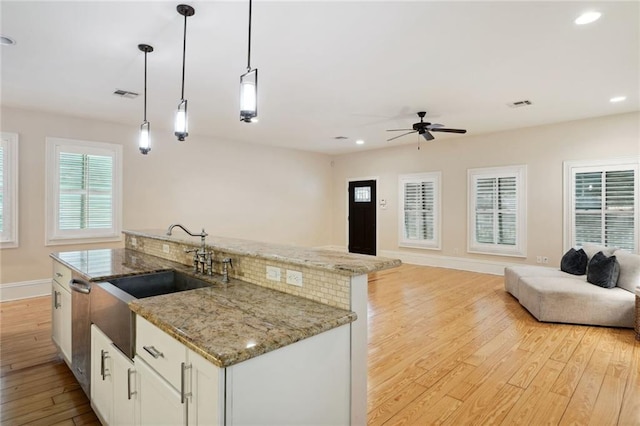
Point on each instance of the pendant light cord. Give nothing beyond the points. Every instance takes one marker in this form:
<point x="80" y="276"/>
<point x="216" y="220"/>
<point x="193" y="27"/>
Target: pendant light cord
<point x="249" y="41"/>
<point x="145" y="86"/>
<point x="184" y="49"/>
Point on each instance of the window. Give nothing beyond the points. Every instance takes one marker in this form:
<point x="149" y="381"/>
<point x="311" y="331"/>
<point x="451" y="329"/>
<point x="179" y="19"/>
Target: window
<point x="8" y="190"/>
<point x="497" y="210"/>
<point x="83" y="191"/>
<point x="601" y="203"/>
<point x="420" y="210"/>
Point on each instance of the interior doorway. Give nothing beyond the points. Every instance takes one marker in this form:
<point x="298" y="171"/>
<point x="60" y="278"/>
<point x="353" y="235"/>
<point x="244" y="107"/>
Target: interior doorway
<point x="362" y="217"/>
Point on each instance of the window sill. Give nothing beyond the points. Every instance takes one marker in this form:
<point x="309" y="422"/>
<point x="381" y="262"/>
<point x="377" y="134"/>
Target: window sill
<point x="498" y="252"/>
<point x="87" y="240"/>
<point x="425" y="246"/>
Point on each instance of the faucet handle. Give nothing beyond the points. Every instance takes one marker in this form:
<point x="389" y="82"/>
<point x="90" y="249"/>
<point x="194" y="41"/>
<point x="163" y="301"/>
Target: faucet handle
<point x="228" y="260"/>
<point x="191" y="250"/>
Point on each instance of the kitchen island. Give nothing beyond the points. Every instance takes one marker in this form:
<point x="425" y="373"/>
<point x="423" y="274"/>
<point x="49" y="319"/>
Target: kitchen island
<point x="245" y="327"/>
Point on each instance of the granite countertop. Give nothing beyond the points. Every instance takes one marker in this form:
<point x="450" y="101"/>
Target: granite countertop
<point x="344" y="263"/>
<point x="226" y="324"/>
<point x="104" y="264"/>
<point x="233" y="323"/>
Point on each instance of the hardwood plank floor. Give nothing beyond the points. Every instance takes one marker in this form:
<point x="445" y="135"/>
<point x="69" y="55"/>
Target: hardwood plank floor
<point x="36" y="386"/>
<point x="445" y="347"/>
<point x="452" y="347"/>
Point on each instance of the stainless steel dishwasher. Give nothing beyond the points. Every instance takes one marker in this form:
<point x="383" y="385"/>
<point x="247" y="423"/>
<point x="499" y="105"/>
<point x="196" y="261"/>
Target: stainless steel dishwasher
<point x="81" y="331"/>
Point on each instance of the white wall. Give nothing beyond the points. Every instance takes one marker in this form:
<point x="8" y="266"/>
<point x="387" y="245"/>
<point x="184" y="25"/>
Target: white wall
<point x="230" y="189"/>
<point x="543" y="149"/>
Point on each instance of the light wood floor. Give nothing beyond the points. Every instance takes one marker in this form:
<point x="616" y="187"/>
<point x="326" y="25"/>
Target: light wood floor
<point x="36" y="386"/>
<point x="445" y="346"/>
<point x="451" y="347"/>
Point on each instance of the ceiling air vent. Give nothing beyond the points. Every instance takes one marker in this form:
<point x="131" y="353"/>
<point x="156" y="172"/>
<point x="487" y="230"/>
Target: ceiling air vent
<point x="519" y="104"/>
<point x="125" y="94"/>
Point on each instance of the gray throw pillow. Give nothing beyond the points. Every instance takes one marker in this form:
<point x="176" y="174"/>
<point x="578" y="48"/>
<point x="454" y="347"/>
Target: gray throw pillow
<point x="603" y="271"/>
<point x="574" y="262"/>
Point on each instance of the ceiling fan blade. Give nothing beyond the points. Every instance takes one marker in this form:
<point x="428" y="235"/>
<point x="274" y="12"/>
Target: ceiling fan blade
<point x="435" y="126"/>
<point x="442" y="129"/>
<point x="428" y="136"/>
<point x="404" y="134"/>
<point x="399" y="130"/>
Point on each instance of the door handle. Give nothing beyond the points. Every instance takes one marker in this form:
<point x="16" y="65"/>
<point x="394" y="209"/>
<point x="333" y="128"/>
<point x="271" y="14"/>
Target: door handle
<point x="130" y="393"/>
<point x="103" y="370"/>
<point x="153" y="352"/>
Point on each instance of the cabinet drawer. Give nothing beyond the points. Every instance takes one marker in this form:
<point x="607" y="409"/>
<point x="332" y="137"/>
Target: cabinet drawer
<point x="161" y="351"/>
<point x="62" y="274"/>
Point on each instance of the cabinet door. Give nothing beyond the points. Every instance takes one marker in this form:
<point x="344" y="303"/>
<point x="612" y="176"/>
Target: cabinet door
<point x="159" y="403"/>
<point x="206" y="402"/>
<point x="124" y="389"/>
<point x="61" y="319"/>
<point x="101" y="375"/>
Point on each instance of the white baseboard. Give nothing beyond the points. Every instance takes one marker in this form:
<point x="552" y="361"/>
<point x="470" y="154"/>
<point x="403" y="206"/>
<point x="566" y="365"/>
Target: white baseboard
<point x="25" y="290"/>
<point x="461" y="263"/>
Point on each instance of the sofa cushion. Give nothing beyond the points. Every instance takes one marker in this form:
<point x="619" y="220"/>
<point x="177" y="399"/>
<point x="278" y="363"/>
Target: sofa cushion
<point x="629" y="277"/>
<point x="572" y="300"/>
<point x="603" y="271"/>
<point x="592" y="249"/>
<point x="512" y="275"/>
<point x="574" y="262"/>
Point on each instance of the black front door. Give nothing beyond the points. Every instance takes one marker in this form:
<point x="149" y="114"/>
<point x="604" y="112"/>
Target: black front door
<point x="362" y="217"/>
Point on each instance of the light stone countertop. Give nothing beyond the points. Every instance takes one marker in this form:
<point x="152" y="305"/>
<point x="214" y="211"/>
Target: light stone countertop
<point x="349" y="264"/>
<point x="233" y="323"/>
<point x="226" y="324"/>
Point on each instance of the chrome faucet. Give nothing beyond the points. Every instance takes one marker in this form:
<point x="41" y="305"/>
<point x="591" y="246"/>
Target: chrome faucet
<point x="202" y="259"/>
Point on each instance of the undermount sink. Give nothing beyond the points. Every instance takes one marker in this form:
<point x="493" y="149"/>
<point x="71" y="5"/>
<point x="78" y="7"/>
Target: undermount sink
<point x="147" y="285"/>
<point x="110" y="302"/>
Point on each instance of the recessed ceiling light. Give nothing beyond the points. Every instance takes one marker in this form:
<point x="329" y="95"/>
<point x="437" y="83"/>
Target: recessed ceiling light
<point x="618" y="99"/>
<point x="360" y="142"/>
<point x="587" y="18"/>
<point x="6" y="41"/>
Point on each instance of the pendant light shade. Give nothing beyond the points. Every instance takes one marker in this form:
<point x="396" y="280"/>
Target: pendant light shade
<point x="181" y="120"/>
<point x="144" y="143"/>
<point x="249" y="85"/>
<point x="249" y="96"/>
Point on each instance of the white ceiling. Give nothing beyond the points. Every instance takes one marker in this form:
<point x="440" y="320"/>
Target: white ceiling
<point x="327" y="69"/>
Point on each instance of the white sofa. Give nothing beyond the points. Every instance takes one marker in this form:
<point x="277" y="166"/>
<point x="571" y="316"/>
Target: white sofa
<point x="555" y="296"/>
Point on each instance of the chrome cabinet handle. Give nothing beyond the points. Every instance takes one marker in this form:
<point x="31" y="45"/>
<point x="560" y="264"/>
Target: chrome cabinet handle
<point x="80" y="286"/>
<point x="153" y="352"/>
<point x="58" y="274"/>
<point x="56" y="305"/>
<point x="103" y="370"/>
<point x="130" y="393"/>
<point x="183" y="395"/>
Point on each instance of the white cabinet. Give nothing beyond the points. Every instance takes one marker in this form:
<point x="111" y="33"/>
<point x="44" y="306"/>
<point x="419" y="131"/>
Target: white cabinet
<point x="177" y="386"/>
<point x="113" y="382"/>
<point x="61" y="310"/>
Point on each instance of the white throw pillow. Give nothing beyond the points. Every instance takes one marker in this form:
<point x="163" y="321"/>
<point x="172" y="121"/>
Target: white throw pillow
<point x="629" y="276"/>
<point x="592" y="249"/>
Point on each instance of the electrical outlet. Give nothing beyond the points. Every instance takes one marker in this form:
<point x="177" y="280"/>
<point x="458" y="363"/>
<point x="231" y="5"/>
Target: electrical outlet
<point x="294" y="278"/>
<point x="273" y="273"/>
<point x="165" y="248"/>
<point x="538" y="259"/>
<point x="545" y="259"/>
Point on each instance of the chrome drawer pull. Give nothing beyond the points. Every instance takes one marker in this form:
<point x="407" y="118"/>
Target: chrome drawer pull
<point x="103" y="370"/>
<point x="129" y="391"/>
<point x="58" y="274"/>
<point x="153" y="352"/>
<point x="183" y="395"/>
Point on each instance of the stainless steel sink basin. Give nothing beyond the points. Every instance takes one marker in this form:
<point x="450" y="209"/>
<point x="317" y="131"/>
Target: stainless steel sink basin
<point x="147" y="285"/>
<point x="109" y="302"/>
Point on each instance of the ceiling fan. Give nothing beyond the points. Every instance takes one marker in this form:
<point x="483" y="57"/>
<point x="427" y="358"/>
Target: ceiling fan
<point x="424" y="128"/>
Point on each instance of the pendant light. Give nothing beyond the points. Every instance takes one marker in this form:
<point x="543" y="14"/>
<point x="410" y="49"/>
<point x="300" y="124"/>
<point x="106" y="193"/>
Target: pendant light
<point x="249" y="86"/>
<point x="145" y="142"/>
<point x="181" y="124"/>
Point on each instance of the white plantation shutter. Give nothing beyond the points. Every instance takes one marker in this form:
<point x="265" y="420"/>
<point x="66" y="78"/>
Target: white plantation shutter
<point x="85" y="191"/>
<point x="419" y="210"/>
<point x="604" y="204"/>
<point x="497" y="210"/>
<point x="8" y="190"/>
